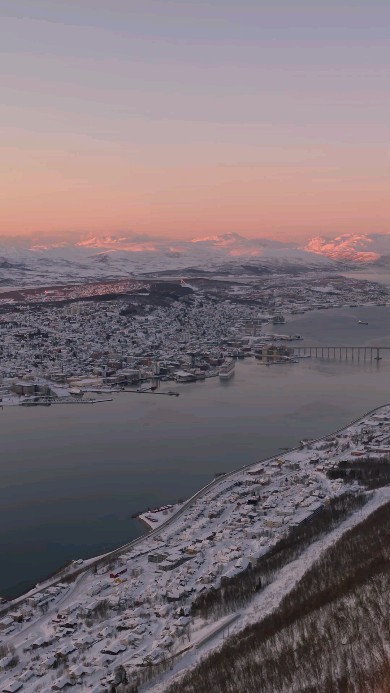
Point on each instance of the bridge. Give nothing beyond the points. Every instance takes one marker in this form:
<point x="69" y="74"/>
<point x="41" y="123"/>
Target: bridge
<point x="343" y="353"/>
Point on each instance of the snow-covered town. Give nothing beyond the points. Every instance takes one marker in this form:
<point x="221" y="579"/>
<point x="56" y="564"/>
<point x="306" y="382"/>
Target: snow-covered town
<point x="194" y="346"/>
<point x="130" y="616"/>
<point x="63" y="342"/>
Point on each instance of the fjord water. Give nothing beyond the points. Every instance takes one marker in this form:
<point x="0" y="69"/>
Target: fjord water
<point x="72" y="475"/>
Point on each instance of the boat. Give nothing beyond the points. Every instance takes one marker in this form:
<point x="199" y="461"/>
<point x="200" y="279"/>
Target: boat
<point x="362" y="322"/>
<point x="227" y="369"/>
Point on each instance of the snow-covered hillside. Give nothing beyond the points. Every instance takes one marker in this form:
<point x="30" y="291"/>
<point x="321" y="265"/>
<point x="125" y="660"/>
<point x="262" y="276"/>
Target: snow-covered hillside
<point x="224" y="560"/>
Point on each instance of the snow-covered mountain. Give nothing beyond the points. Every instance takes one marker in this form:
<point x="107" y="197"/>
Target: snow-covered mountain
<point x="356" y="248"/>
<point x="31" y="261"/>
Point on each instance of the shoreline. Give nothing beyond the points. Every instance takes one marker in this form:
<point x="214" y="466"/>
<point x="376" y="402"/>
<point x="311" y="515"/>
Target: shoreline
<point x="86" y="564"/>
<point x="11" y="400"/>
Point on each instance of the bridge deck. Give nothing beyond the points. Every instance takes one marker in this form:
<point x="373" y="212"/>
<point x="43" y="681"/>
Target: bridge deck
<point x="370" y="352"/>
<point x="342" y="346"/>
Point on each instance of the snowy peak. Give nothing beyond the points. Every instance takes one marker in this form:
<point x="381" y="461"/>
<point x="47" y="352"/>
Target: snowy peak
<point x="357" y="248"/>
<point x="43" y="260"/>
<point x="114" y="243"/>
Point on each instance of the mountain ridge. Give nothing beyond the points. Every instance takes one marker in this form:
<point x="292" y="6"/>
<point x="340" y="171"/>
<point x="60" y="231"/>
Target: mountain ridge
<point x="126" y="254"/>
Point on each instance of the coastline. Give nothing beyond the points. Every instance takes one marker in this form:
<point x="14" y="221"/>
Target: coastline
<point x="65" y="574"/>
<point x="13" y="587"/>
<point x="170" y="589"/>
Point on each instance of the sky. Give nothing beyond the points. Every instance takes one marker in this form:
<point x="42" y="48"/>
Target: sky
<point x="178" y="118"/>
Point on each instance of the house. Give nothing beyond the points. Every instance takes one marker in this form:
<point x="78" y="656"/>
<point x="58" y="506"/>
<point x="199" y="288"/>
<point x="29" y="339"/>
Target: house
<point x="173" y="561"/>
<point x="114" y="649"/>
<point x="12" y="686"/>
<point x="157" y="557"/>
<point x="175" y="595"/>
<point x="65" y="651"/>
<point x="6" y="622"/>
<point x="78" y="671"/>
<point x="62" y="683"/>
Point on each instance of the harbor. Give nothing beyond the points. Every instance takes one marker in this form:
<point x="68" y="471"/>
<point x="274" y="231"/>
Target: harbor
<point x="87" y="470"/>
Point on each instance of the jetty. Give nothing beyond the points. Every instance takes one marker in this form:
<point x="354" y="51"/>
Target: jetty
<point x="169" y="393"/>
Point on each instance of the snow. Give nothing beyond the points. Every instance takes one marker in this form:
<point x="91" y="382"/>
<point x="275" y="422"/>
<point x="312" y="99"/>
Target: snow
<point x="92" y="258"/>
<point x="155" y="518"/>
<point x="269" y="599"/>
<point x="134" y="605"/>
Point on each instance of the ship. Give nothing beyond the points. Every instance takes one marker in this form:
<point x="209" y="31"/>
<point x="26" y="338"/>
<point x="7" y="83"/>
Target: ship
<point x="227" y="369"/>
<point x="362" y="322"/>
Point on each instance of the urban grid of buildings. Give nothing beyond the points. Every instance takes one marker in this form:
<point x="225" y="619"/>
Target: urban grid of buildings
<point x="58" y="342"/>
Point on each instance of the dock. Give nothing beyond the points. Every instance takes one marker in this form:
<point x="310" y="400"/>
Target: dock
<point x="82" y="401"/>
<point x="169" y="393"/>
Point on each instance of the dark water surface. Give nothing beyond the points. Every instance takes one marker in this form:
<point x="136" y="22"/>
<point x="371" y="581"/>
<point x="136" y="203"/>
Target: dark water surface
<point x="72" y="475"/>
<point x="377" y="275"/>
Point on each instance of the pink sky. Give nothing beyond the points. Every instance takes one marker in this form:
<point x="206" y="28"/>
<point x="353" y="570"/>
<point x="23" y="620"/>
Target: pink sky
<point x="174" y="119"/>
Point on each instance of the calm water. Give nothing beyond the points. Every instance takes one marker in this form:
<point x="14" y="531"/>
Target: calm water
<point x="380" y="275"/>
<point x="72" y="475"/>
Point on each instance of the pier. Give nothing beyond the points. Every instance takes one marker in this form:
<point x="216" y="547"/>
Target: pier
<point x="149" y="391"/>
<point x="343" y="353"/>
